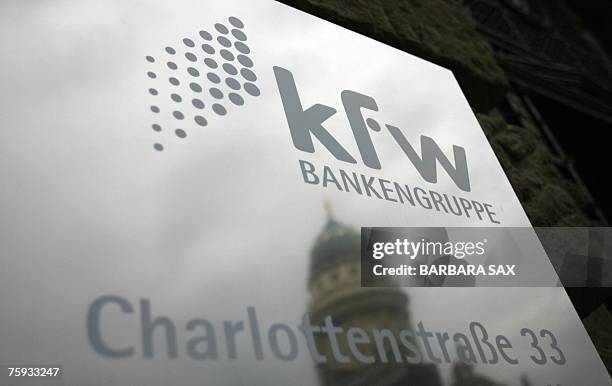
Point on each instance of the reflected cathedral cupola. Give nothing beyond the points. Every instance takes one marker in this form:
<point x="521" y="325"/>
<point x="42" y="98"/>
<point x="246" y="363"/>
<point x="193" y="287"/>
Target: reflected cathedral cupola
<point x="334" y="284"/>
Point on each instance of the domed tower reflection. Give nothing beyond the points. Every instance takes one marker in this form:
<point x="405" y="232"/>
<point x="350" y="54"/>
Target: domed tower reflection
<point x="334" y="284"/>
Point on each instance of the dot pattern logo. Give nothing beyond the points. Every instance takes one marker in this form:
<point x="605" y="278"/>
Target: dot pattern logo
<point x="199" y="77"/>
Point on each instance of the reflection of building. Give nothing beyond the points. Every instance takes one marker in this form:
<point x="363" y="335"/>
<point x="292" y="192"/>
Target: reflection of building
<point x="334" y="284"/>
<point x="464" y="375"/>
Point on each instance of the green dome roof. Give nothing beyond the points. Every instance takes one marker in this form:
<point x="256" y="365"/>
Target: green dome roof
<point x="336" y="243"/>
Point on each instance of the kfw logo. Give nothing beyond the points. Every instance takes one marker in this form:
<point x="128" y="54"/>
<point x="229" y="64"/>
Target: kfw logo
<point x="305" y="124"/>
